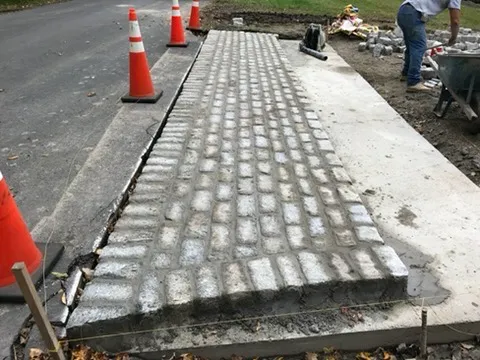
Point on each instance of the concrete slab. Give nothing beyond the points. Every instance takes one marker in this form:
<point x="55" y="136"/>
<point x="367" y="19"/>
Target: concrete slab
<point x="422" y="204"/>
<point x="242" y="209"/>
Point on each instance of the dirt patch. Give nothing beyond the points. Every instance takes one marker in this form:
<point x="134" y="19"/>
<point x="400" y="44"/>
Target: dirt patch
<point x="448" y="135"/>
<point x="219" y="16"/>
<point x="406" y="217"/>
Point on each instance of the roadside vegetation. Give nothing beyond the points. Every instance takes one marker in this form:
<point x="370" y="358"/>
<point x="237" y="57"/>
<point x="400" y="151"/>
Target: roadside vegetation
<point x="372" y="11"/>
<point x="15" y="5"/>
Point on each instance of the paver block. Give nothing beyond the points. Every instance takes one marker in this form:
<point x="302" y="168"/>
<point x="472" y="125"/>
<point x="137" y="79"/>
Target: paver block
<point x="243" y="201"/>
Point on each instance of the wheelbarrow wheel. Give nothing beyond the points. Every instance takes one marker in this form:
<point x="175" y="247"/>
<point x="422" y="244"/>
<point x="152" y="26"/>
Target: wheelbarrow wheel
<point x="473" y="127"/>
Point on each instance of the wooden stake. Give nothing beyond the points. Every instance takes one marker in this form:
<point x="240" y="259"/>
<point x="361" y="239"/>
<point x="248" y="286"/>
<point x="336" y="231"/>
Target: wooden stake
<point x="423" y="335"/>
<point x="31" y="297"/>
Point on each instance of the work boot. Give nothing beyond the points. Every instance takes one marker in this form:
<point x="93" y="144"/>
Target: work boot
<point x="418" y="88"/>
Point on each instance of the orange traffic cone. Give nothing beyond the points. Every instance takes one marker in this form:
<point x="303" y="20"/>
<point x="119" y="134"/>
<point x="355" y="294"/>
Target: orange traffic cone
<point x="194" y="23"/>
<point x="16" y="245"/>
<point x="177" y="33"/>
<point x="141" y="85"/>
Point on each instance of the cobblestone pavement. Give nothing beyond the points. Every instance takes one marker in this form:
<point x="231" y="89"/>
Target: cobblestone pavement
<point x="242" y="202"/>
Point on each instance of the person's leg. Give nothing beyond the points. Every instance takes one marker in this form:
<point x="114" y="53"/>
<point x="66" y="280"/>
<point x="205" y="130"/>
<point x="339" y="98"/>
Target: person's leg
<point x="418" y="46"/>
<point x="403" y="22"/>
<point x="406" y="61"/>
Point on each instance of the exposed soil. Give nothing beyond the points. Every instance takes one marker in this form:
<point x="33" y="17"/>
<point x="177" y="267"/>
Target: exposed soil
<point x="448" y="135"/>
<point x="219" y="16"/>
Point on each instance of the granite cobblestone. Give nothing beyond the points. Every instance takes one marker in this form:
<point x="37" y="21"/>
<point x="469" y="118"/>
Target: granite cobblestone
<point x="243" y="193"/>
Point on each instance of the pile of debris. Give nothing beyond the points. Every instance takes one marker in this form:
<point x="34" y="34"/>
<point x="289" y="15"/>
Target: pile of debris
<point x="350" y="24"/>
<point x="467" y="42"/>
<point x="385" y="43"/>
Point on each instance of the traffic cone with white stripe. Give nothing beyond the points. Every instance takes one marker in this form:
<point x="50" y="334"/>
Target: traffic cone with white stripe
<point x="177" y="33"/>
<point x="194" y="23"/>
<point x="141" y="85"/>
<point x="17" y="245"/>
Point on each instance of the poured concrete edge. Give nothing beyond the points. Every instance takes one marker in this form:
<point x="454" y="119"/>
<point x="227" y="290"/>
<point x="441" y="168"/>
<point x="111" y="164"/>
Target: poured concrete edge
<point x="262" y="338"/>
<point x="445" y="229"/>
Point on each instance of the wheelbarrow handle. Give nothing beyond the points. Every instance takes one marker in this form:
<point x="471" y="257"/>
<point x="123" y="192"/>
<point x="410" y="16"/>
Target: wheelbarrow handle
<point x="436" y="46"/>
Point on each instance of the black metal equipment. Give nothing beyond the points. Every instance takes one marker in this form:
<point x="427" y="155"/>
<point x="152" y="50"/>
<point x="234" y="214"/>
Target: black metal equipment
<point x="313" y="42"/>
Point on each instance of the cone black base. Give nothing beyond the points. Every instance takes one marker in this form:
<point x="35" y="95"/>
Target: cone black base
<point x="144" y="99"/>
<point x="13" y="294"/>
<point x="178" y="45"/>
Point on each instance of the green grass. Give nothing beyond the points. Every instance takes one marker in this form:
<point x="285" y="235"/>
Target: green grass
<point x="12" y="5"/>
<point x="370" y="10"/>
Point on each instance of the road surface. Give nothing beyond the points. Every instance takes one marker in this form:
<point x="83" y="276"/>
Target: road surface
<point x="51" y="58"/>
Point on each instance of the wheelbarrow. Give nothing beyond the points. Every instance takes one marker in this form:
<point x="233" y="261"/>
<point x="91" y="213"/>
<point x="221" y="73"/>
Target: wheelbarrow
<point x="460" y="77"/>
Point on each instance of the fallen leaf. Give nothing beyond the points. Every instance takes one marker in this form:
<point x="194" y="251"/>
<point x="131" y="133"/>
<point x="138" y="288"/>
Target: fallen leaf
<point x="99" y="356"/>
<point x="88" y="274"/>
<point x="186" y="356"/>
<point x="98" y="251"/>
<point x="257" y="328"/>
<point x="64" y="299"/>
<point x="328" y="350"/>
<point x="36" y="354"/>
<point x="360" y="317"/>
<point x="311" y="356"/>
<point x="467" y="346"/>
<point x="92" y="93"/>
<point x="59" y="275"/>
<point x="12" y="157"/>
<point x="24" y="335"/>
<point x="363" y="356"/>
<point x="81" y="352"/>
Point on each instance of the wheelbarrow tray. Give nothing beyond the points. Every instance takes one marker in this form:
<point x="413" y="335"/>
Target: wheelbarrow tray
<point x="460" y="75"/>
<point x="457" y="70"/>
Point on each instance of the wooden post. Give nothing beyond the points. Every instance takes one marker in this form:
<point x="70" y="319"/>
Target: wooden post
<point x="423" y="335"/>
<point x="31" y="297"/>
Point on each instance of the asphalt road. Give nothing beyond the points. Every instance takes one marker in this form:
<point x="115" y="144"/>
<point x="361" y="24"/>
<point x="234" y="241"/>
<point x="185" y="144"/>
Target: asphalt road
<point x="51" y="57"/>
